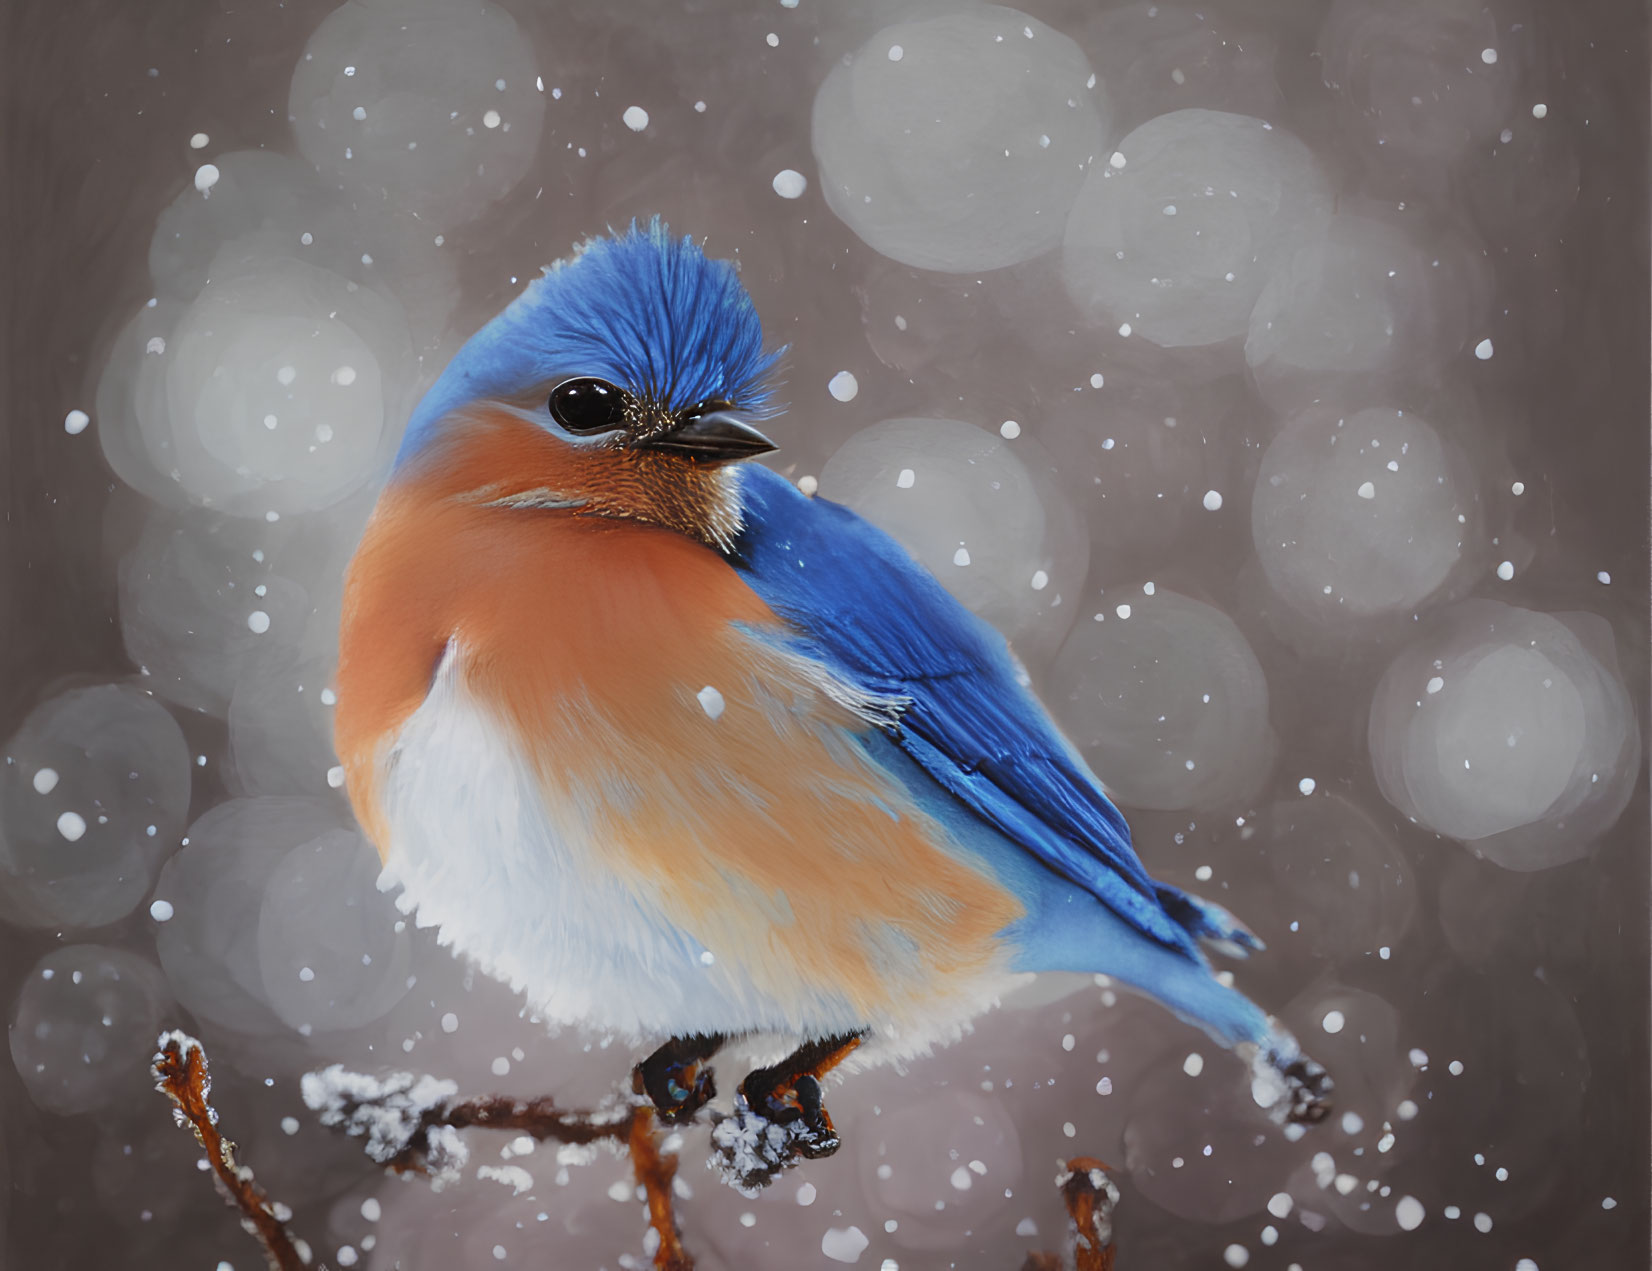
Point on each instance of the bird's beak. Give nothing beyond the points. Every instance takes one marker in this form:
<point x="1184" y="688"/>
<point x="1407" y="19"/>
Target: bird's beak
<point x="717" y="437"/>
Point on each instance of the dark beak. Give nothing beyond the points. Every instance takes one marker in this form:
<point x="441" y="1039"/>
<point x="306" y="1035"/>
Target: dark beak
<point x="717" y="437"/>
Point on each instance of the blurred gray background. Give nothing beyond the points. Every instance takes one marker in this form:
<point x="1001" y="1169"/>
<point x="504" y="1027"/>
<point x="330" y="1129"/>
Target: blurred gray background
<point x="1144" y="486"/>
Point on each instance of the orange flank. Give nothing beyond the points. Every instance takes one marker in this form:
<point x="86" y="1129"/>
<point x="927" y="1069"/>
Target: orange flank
<point x="719" y="778"/>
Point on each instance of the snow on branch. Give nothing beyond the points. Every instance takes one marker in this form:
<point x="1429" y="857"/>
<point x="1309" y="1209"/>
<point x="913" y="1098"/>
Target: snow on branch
<point x="412" y="1124"/>
<point x="1090" y="1197"/>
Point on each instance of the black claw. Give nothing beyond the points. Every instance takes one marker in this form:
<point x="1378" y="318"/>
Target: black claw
<point x="820" y="1137"/>
<point x="677" y="1102"/>
<point x="771" y="1130"/>
<point x="779" y="1117"/>
<point x="797" y="1105"/>
<point x="677" y="1079"/>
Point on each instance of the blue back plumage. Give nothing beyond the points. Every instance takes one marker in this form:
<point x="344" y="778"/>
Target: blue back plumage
<point x="867" y="610"/>
<point x="640" y="309"/>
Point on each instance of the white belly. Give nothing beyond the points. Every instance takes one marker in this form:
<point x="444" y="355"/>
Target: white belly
<point x="519" y="887"/>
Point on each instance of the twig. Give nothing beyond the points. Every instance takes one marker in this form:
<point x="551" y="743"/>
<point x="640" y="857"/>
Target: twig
<point x="411" y="1126"/>
<point x="180" y="1068"/>
<point x="538" y="1118"/>
<point x="542" y="1119"/>
<point x="655" y="1171"/>
<point x="1090" y="1196"/>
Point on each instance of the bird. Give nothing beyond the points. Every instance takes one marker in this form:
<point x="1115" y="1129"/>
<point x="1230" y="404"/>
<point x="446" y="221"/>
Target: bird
<point x="681" y="752"/>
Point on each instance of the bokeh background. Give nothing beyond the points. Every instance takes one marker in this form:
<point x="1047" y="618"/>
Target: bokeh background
<point x="1272" y="372"/>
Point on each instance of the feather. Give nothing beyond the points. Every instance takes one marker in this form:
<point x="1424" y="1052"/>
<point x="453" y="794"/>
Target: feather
<point x="875" y="619"/>
<point x="640" y="309"/>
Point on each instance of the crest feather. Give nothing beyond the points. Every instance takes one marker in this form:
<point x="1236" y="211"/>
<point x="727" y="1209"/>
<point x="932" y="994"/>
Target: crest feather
<point x="639" y="308"/>
<point x="664" y="320"/>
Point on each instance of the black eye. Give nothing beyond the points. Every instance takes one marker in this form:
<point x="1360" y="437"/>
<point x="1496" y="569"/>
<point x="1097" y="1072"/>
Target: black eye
<point x="588" y="405"/>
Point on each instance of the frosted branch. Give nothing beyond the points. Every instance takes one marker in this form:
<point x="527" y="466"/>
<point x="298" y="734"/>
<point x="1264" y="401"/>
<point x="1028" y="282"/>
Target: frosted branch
<point x="180" y="1068"/>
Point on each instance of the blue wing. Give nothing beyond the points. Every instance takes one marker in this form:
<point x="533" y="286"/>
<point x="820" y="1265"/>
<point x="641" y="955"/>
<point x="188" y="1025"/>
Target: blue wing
<point x="862" y="606"/>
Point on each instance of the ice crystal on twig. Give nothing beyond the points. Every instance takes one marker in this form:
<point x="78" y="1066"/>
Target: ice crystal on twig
<point x="398" y="1114"/>
<point x="749" y="1151"/>
<point x="412" y="1124"/>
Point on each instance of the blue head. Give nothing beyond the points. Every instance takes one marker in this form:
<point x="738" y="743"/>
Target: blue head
<point x="638" y="312"/>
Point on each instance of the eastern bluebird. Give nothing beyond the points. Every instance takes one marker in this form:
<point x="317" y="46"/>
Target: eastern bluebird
<point x="677" y="751"/>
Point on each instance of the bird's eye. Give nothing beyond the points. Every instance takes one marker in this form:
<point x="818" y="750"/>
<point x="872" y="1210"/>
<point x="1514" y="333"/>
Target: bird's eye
<point x="588" y="405"/>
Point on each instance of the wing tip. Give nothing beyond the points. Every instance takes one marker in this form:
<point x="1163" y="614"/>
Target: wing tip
<point x="1208" y="923"/>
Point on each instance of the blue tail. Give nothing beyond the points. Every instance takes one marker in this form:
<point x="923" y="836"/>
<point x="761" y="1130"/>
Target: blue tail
<point x="1069" y="930"/>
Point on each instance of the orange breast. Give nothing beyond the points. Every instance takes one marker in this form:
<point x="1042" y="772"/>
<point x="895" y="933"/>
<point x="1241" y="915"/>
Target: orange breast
<point x="762" y="829"/>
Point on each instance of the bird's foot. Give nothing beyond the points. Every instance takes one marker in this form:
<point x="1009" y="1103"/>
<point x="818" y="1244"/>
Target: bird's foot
<point x="780" y="1117"/>
<point x="800" y="1107"/>
<point x="677" y="1078"/>
<point x="758" y="1141"/>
